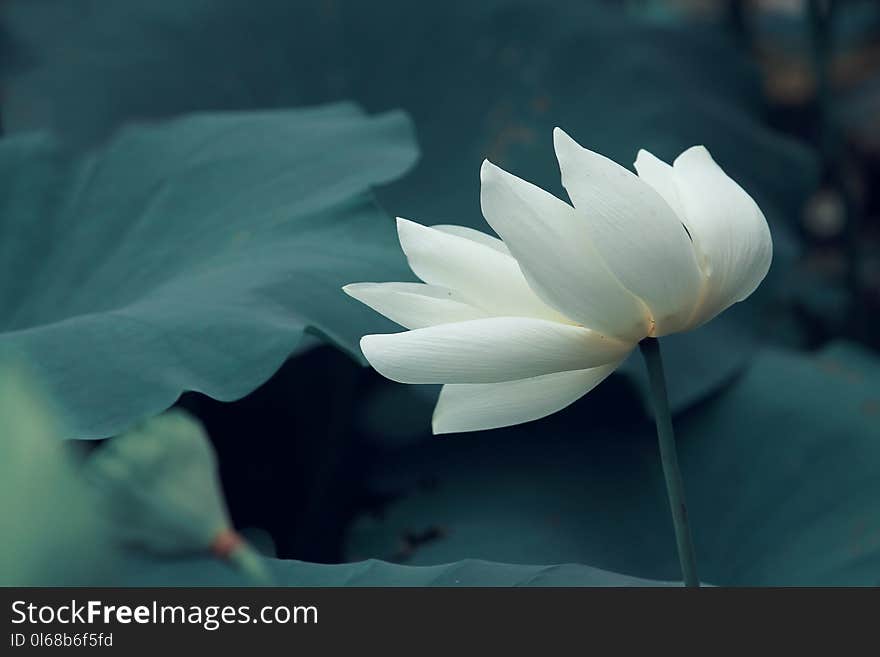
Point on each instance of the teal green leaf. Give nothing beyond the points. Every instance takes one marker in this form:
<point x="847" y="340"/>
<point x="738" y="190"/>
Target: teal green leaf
<point x="468" y="572"/>
<point x="787" y="466"/>
<point x="192" y="255"/>
<point x="781" y="471"/>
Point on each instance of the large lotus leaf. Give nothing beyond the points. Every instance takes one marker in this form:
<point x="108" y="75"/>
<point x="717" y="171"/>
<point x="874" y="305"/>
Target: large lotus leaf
<point x="781" y="471"/>
<point x="469" y="572"/>
<point x="191" y="255"/>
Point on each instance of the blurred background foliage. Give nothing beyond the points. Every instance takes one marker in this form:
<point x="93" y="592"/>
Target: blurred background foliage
<point x="174" y="223"/>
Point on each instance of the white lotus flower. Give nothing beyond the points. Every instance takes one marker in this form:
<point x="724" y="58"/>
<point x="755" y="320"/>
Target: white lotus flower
<point x="521" y="328"/>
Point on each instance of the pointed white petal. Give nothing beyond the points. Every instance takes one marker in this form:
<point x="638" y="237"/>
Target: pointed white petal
<point x="661" y="177"/>
<point x="414" y="305"/>
<point x="483" y="276"/>
<point x="549" y="239"/>
<point x="474" y="235"/>
<point x="488" y="351"/>
<point x="634" y="230"/>
<point x="478" y="406"/>
<point x="730" y="232"/>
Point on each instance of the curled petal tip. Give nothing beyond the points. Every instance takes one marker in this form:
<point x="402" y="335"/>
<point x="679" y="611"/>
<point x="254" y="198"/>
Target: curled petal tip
<point x="406" y="225"/>
<point x="368" y="348"/>
<point x="366" y="344"/>
<point x="403" y="221"/>
<point x="695" y="153"/>
<point x="352" y="289"/>
<point x="490" y="171"/>
<point x="566" y="148"/>
<point x="647" y="159"/>
<point x="561" y="139"/>
<point x="641" y="155"/>
<point x="486" y="168"/>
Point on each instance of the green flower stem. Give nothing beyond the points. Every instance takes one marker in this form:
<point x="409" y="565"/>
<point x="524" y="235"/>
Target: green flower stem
<point x="650" y="348"/>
